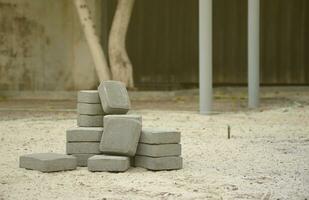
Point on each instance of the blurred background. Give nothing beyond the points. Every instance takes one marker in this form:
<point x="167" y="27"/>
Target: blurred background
<point x="43" y="48"/>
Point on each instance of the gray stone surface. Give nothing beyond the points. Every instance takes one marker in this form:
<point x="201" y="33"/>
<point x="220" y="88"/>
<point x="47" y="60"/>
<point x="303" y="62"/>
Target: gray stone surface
<point x="47" y="162"/>
<point x="120" y="136"/>
<point x="114" y="97"/>
<point x="90" y="120"/>
<point x="83" y="148"/>
<point x="88" y="96"/>
<point x="156" y="164"/>
<point x="159" y="136"/>
<point x="158" y="150"/>
<point x="84" y="134"/>
<point x="82" y="159"/>
<point x="108" y="163"/>
<point x="89" y="109"/>
<point x="136" y="117"/>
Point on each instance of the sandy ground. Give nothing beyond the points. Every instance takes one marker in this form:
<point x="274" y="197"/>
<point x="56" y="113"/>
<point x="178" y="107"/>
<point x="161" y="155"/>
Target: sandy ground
<point x="266" y="158"/>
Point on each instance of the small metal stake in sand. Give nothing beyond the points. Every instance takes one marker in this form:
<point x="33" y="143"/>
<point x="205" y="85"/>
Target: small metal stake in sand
<point x="228" y="132"/>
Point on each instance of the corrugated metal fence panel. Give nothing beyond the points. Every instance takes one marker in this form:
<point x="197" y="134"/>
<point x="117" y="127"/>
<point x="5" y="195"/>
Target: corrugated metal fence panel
<point x="163" y="42"/>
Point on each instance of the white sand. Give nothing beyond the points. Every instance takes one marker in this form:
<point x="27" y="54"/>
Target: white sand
<point x="268" y="155"/>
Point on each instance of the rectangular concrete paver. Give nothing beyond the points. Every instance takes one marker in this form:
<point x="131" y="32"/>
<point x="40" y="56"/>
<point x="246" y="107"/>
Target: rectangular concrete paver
<point x="136" y="117"/>
<point x="158" y="150"/>
<point x="84" y="134"/>
<point x="156" y="164"/>
<point x="83" y="148"/>
<point x="120" y="136"/>
<point x="90" y="120"/>
<point x="108" y="163"/>
<point x="82" y="159"/>
<point x="48" y="162"/>
<point x="114" y="97"/>
<point x="88" y="96"/>
<point x="89" y="109"/>
<point x="159" y="136"/>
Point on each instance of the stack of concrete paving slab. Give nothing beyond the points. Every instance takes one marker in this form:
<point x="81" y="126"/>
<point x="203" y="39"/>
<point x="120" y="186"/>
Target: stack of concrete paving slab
<point x="107" y="139"/>
<point x="83" y="141"/>
<point x="159" y="149"/>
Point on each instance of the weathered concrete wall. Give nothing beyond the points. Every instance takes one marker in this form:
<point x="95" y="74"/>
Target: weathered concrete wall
<point x="42" y="46"/>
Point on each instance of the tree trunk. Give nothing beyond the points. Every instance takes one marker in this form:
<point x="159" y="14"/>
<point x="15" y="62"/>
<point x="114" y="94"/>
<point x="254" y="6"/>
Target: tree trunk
<point x="120" y="63"/>
<point x="96" y="50"/>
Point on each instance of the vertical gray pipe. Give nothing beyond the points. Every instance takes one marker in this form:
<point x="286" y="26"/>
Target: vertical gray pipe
<point x="205" y="56"/>
<point x="253" y="53"/>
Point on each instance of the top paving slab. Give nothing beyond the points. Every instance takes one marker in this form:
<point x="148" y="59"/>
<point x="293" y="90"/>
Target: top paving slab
<point x="88" y="96"/>
<point x="159" y="136"/>
<point x="114" y="97"/>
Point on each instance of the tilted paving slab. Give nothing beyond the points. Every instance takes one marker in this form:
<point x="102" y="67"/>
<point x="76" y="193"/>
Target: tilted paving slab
<point x="89" y="109"/>
<point x="114" y="97"/>
<point x="160" y="163"/>
<point x="136" y="117"/>
<point x="108" y="163"/>
<point x="120" y="136"/>
<point x="88" y="96"/>
<point x="84" y="134"/>
<point x="48" y="162"/>
<point x="82" y="159"/>
<point x="82" y="148"/>
<point x="159" y="136"/>
<point x="158" y="150"/>
<point x="90" y="120"/>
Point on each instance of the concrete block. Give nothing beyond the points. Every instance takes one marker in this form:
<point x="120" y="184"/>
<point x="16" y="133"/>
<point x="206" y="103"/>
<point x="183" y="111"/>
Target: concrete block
<point x="82" y="159"/>
<point x="159" y="136"/>
<point x="83" y="148"/>
<point x="84" y="134"/>
<point x="89" y="109"/>
<point x="88" y="96"/>
<point x="108" y="163"/>
<point x="114" y="97"/>
<point x="120" y="136"/>
<point x="47" y="162"/>
<point x="136" y="117"/>
<point x="90" y="120"/>
<point x="158" y="150"/>
<point x="156" y="164"/>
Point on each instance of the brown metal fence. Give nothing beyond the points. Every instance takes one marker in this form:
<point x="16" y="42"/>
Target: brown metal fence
<point x="163" y="42"/>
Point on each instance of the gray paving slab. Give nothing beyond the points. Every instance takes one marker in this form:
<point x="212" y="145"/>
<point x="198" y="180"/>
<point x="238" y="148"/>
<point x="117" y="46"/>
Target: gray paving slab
<point x="88" y="96"/>
<point x="120" y="136"/>
<point x="159" y="136"/>
<point x="82" y="159"/>
<point x="114" y="97"/>
<point x="136" y="117"/>
<point x="89" y="109"/>
<point x="158" y="150"/>
<point x="83" y="148"/>
<point x="90" y="120"/>
<point x="108" y="163"/>
<point x="84" y="134"/>
<point x="48" y="162"/>
<point x="157" y="164"/>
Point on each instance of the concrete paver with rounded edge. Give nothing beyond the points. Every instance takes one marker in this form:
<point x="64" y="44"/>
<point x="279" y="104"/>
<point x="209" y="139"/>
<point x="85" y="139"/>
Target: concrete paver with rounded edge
<point x="157" y="164"/>
<point x="158" y="150"/>
<point x="89" y="109"/>
<point x="84" y="134"/>
<point x="83" y="148"/>
<point x="108" y="163"/>
<point x="114" y="97"/>
<point x="88" y="96"/>
<point x="90" y="120"/>
<point x="159" y="136"/>
<point x="48" y="162"/>
<point x="120" y="136"/>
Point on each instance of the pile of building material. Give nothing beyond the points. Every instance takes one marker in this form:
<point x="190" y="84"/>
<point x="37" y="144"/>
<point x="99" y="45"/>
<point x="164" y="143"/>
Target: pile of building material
<point x="107" y="139"/>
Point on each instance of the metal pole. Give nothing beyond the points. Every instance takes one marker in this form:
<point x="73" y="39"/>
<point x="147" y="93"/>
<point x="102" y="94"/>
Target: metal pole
<point x="205" y="56"/>
<point x="253" y="53"/>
